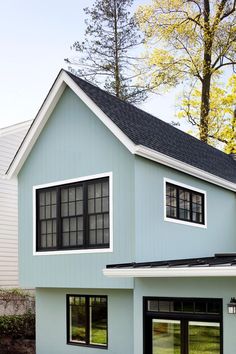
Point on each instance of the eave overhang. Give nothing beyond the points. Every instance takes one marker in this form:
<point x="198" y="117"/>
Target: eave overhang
<point x="62" y="81"/>
<point x="178" y="272"/>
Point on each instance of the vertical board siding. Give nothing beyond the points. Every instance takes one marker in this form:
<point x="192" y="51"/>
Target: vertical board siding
<point x="75" y="143"/>
<point x="10" y="140"/>
<point x="157" y="239"/>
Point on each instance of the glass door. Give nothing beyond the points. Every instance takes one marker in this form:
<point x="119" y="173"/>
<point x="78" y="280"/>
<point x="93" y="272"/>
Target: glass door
<point x="166" y="336"/>
<point x="182" y="326"/>
<point x="203" y="337"/>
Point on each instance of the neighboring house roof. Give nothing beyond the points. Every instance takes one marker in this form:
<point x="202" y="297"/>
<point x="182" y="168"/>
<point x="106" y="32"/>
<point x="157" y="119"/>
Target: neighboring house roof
<point x="10" y="140"/>
<point x="142" y="133"/>
<point x="220" y="264"/>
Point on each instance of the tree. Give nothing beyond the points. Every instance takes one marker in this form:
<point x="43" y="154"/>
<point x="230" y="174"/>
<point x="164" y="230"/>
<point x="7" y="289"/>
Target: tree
<point x="222" y="113"/>
<point x="106" y="54"/>
<point x="199" y="37"/>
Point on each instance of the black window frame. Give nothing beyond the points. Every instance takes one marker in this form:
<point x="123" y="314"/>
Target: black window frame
<point x="87" y="297"/>
<point x="191" y="192"/>
<point x="59" y="218"/>
<point x="183" y="316"/>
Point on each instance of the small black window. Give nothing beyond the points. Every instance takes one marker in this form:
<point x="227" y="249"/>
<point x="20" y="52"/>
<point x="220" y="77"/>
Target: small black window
<point x="73" y="216"/>
<point x="184" y="204"/>
<point x="87" y="320"/>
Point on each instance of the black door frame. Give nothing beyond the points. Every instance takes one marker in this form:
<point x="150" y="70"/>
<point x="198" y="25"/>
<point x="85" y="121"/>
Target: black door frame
<point x="184" y="319"/>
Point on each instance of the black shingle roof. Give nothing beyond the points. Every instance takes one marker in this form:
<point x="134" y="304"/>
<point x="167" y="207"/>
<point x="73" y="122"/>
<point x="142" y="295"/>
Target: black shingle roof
<point x="219" y="260"/>
<point x="144" y="129"/>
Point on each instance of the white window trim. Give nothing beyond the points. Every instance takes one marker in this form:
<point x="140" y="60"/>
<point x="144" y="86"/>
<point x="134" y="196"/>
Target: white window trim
<point x="74" y="180"/>
<point x="189" y="223"/>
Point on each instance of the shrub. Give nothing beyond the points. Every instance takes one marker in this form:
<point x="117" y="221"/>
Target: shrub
<point x="18" y="326"/>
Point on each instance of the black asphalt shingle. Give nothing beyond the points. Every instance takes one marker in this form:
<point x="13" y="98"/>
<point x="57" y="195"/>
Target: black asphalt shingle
<point x="144" y="129"/>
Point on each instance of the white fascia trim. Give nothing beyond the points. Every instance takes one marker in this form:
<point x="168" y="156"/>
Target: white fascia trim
<point x="183" y="167"/>
<point x="45" y="111"/>
<point x="68" y="181"/>
<point x="171" y="272"/>
<point x="177" y="221"/>
<point x="37" y="126"/>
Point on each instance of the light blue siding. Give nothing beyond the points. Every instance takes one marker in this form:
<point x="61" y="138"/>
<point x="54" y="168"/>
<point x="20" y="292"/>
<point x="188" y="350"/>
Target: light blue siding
<point x="74" y="143"/>
<point x="51" y="322"/>
<point x="157" y="239"/>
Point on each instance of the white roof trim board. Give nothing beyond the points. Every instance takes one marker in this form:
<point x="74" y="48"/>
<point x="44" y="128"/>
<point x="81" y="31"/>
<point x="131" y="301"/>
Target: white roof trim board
<point x="172" y="272"/>
<point x="49" y="104"/>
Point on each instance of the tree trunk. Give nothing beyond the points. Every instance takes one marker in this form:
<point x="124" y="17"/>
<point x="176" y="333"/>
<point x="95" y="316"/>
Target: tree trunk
<point x="206" y="78"/>
<point x="117" y="69"/>
<point x="205" y="108"/>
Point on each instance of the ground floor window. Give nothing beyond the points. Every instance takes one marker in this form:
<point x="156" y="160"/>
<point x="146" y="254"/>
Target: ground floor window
<point x="87" y="320"/>
<point x="182" y="326"/>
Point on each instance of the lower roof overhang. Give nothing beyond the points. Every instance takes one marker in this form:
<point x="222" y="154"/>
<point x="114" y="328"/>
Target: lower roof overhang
<point x="173" y="272"/>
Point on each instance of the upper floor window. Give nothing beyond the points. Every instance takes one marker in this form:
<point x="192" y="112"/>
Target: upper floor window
<point x="73" y="216"/>
<point x="182" y="203"/>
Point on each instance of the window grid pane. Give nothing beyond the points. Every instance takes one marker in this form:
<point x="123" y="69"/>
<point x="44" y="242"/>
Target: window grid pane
<point x="184" y="204"/>
<point x="87" y="320"/>
<point x="47" y="225"/>
<point x="98" y="213"/>
<point x="74" y="216"/>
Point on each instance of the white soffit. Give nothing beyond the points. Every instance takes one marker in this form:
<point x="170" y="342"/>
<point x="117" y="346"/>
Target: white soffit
<point x="173" y="272"/>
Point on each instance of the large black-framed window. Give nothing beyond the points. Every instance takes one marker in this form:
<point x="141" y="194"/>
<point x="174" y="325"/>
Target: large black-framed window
<point x="185" y="204"/>
<point x="182" y="325"/>
<point x="87" y="320"/>
<point x="73" y="216"/>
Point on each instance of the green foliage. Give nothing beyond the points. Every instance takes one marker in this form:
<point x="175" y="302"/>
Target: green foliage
<point x="106" y="54"/>
<point x="18" y="326"/>
<point x="189" y="42"/>
<point x="221" y="119"/>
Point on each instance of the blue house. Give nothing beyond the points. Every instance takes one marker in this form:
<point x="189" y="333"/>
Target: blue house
<point x="127" y="229"/>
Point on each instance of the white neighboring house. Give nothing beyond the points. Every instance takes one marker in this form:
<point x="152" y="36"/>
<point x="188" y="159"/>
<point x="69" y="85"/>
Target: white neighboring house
<point x="10" y="140"/>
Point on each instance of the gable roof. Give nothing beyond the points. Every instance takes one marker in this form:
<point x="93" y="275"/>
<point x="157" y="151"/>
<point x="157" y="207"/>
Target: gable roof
<point x="142" y="133"/>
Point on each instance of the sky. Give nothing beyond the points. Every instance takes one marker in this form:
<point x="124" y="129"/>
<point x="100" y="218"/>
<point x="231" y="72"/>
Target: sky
<point x="35" y="37"/>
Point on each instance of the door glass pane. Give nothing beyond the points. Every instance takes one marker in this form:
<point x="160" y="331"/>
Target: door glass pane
<point x="204" y="337"/>
<point x="165" y="337"/>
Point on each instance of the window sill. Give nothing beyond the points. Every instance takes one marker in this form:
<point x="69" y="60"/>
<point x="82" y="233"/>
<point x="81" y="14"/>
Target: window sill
<point x="81" y="251"/>
<point x="189" y="223"/>
<point x="104" y="347"/>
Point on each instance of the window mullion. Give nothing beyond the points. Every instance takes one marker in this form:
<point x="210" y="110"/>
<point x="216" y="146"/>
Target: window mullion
<point x="38" y="231"/>
<point x="203" y="209"/>
<point x="87" y="308"/>
<point x="59" y="219"/>
<point x="85" y="215"/>
<point x="177" y="201"/>
<point x="191" y="205"/>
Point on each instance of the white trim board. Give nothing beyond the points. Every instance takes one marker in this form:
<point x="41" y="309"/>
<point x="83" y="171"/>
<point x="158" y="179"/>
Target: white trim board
<point x="74" y="180"/>
<point x="63" y="80"/>
<point x="171" y="272"/>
